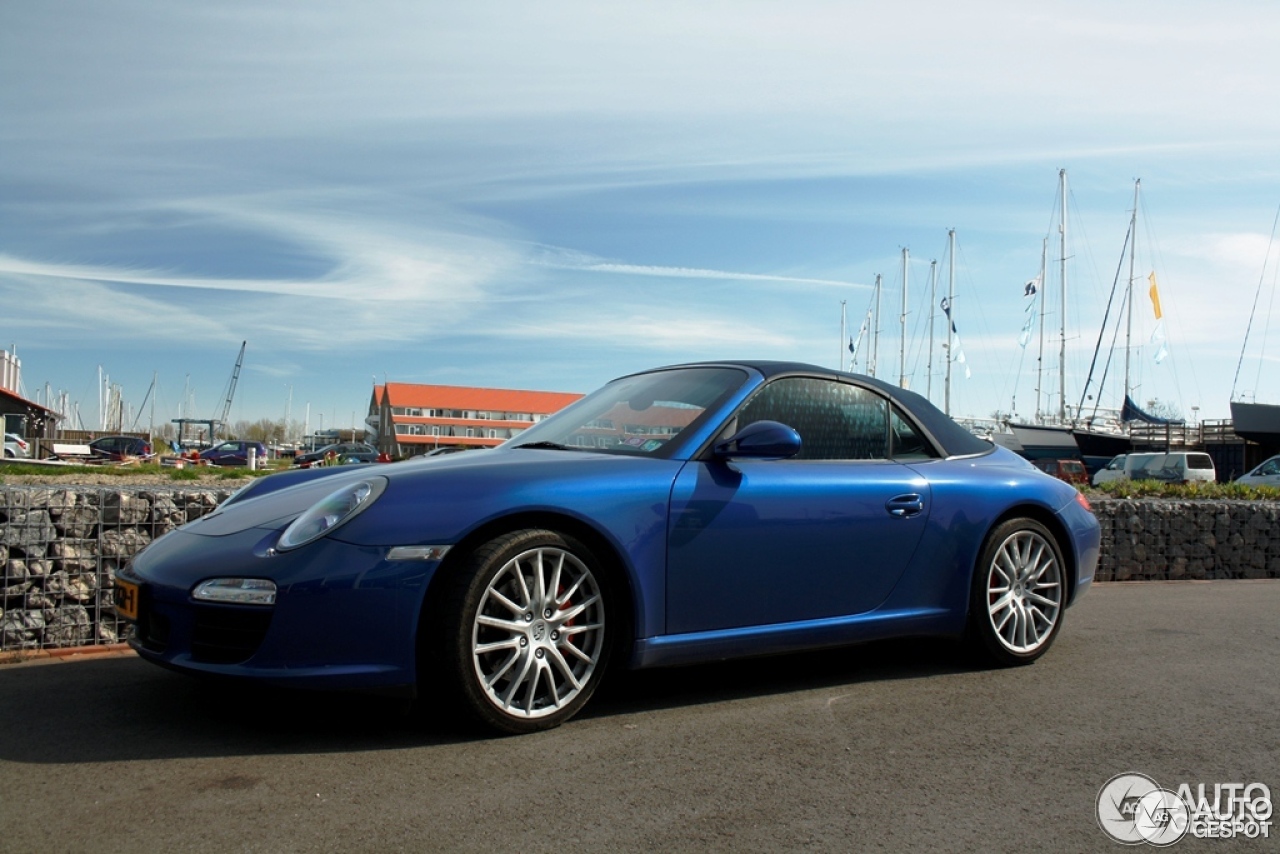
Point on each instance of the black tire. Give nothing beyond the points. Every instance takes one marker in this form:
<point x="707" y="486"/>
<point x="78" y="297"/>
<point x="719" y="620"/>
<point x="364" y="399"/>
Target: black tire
<point x="524" y="631"/>
<point x="1018" y="595"/>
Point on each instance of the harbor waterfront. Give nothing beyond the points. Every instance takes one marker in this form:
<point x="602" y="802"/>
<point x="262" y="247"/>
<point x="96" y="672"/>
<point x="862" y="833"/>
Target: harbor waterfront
<point x="61" y="545"/>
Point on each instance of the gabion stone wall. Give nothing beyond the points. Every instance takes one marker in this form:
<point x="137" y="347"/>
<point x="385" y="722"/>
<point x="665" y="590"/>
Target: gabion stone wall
<point x="1154" y="540"/>
<point x="60" y="547"/>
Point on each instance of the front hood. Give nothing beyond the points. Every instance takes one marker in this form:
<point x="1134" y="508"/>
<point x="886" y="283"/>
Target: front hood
<point x="438" y="498"/>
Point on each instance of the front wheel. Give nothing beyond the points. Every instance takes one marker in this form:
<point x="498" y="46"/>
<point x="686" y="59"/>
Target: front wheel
<point x="525" y="633"/>
<point x="1018" y="594"/>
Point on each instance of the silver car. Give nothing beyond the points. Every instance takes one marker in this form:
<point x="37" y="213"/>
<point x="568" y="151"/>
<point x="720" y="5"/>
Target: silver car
<point x="16" y="447"/>
<point x="1266" y="474"/>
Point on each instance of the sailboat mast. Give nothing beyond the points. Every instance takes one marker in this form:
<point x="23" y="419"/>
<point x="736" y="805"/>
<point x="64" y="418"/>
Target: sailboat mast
<point x="840" y="360"/>
<point x="951" y="294"/>
<point x="155" y="377"/>
<point x="1062" y="338"/>
<point x="1044" y="264"/>
<point x="875" y="332"/>
<point x="902" y="325"/>
<point x="1128" y="333"/>
<point x="933" y="298"/>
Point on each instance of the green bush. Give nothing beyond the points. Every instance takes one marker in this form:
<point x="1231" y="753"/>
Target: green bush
<point x="1198" y="491"/>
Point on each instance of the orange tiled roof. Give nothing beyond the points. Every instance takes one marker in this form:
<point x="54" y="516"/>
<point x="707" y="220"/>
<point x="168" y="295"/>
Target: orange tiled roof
<point x="482" y="399"/>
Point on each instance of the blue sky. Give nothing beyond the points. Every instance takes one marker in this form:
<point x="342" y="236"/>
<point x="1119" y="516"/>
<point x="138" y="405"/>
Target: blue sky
<point x="549" y="195"/>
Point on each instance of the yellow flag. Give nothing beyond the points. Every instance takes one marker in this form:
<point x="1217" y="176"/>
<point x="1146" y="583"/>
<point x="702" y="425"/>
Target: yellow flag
<point x="1155" y="296"/>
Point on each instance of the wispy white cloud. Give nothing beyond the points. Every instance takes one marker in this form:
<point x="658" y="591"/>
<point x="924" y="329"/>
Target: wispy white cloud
<point x="698" y="333"/>
<point x="564" y="259"/>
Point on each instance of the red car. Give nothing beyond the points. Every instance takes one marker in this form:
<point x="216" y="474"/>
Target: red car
<point x="1072" y="471"/>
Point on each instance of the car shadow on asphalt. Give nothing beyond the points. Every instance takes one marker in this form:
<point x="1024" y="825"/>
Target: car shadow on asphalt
<point x="737" y="679"/>
<point x="122" y="708"/>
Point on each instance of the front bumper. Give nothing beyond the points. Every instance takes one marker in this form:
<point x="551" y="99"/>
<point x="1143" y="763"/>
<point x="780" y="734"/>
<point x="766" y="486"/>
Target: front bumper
<point x="345" y="617"/>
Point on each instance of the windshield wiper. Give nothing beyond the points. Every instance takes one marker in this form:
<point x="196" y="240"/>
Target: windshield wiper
<point x="549" y="446"/>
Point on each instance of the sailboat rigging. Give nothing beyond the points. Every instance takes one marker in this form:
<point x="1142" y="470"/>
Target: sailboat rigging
<point x="1086" y="429"/>
<point x="1258" y="422"/>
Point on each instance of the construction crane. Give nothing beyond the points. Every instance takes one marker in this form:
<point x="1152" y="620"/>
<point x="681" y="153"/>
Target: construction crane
<point x="231" y="387"/>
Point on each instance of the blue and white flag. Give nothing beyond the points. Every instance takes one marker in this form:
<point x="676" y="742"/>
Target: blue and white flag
<point x="957" y="350"/>
<point x="1029" y="292"/>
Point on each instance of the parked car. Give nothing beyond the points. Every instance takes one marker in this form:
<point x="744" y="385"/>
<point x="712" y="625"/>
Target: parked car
<point x="344" y="452"/>
<point x="1121" y="466"/>
<point x="1072" y="471"/>
<point x="234" y="453"/>
<point x="679" y="515"/>
<point x="1178" y="467"/>
<point x="16" y="447"/>
<point x="1266" y="474"/>
<point x="120" y="447"/>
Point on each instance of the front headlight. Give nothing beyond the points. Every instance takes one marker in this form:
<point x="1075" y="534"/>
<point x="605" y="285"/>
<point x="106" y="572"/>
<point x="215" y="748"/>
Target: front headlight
<point x="333" y="510"/>
<point x="237" y="591"/>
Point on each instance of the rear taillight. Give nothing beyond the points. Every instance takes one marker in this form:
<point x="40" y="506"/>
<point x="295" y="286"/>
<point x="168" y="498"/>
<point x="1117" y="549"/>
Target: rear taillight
<point x="1083" y="502"/>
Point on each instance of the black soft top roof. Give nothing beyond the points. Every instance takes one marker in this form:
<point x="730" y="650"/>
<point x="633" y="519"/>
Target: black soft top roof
<point x="954" y="440"/>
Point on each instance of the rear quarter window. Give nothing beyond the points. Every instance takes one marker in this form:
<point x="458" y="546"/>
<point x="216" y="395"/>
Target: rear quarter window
<point x="1199" y="461"/>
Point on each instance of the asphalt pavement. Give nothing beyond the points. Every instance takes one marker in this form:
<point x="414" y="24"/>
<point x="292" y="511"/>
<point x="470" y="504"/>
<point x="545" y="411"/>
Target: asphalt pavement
<point x="892" y="746"/>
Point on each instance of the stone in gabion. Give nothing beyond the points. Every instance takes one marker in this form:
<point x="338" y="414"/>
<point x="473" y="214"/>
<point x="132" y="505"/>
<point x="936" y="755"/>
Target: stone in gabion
<point x="16" y="580"/>
<point x="38" y="600"/>
<point x="73" y="556"/>
<point x="22" y="629"/>
<point x="124" y="508"/>
<point x="77" y="587"/>
<point x="67" y="627"/>
<point x="166" y="514"/>
<point x="28" y="531"/>
<point x="123" y="543"/>
<point x="77" y="521"/>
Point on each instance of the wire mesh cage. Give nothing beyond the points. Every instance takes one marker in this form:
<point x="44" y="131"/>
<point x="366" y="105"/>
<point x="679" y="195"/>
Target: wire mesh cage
<point x="60" y="548"/>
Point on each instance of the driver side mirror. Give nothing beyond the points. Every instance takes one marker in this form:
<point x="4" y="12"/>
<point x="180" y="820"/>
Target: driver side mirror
<point x="760" y="440"/>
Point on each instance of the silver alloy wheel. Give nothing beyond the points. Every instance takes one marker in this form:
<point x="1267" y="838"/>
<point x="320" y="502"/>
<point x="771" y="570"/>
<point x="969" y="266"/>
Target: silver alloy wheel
<point x="1024" y="591"/>
<point x="538" y="633"/>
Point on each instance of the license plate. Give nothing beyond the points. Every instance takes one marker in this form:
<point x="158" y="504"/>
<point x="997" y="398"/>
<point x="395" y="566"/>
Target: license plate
<point x="125" y="598"/>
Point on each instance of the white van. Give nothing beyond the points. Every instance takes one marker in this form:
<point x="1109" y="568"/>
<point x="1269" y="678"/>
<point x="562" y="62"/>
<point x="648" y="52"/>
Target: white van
<point x="1177" y="467"/>
<point x="1122" y="466"/>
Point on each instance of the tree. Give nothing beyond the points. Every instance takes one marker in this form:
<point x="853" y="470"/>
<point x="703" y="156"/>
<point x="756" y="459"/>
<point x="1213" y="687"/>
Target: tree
<point x="1164" y="409"/>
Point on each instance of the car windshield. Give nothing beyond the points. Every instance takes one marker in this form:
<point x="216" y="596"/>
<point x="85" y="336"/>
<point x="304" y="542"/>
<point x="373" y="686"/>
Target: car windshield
<point x="639" y="414"/>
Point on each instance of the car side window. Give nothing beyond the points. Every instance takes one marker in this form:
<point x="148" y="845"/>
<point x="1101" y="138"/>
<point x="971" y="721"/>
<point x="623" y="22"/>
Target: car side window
<point x="908" y="443"/>
<point x="836" y="421"/>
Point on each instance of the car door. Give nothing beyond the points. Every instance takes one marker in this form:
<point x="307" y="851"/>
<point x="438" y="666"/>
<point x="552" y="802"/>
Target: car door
<point x="1267" y="474"/>
<point x="826" y="534"/>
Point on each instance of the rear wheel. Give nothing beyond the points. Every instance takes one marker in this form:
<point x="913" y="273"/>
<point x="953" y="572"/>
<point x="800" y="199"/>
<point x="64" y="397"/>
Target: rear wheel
<point x="1018" y="594"/>
<point x="524" y="630"/>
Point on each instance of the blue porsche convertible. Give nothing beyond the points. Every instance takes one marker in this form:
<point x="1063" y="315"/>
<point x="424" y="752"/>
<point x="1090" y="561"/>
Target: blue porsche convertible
<point x="679" y="515"/>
